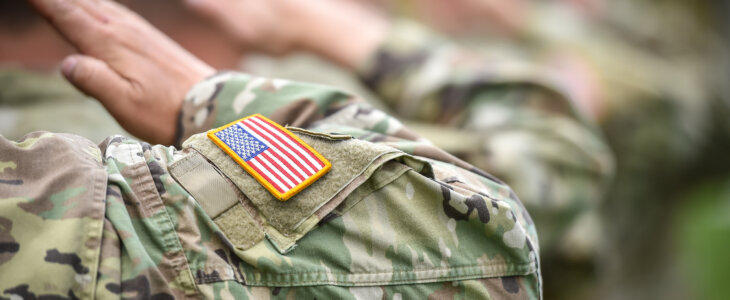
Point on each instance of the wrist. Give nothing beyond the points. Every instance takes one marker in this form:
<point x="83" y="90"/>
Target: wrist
<point x="197" y="112"/>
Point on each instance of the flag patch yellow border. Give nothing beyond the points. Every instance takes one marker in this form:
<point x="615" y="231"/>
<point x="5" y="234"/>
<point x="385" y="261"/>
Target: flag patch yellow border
<point x="278" y="159"/>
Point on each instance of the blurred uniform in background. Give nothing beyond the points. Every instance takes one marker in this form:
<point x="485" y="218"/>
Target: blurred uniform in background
<point x="661" y="67"/>
<point x="653" y="74"/>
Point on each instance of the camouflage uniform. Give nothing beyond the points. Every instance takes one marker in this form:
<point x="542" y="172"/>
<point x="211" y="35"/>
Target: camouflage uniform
<point x="395" y="217"/>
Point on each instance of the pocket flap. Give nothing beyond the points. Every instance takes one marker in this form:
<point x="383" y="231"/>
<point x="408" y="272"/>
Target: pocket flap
<point x="353" y="162"/>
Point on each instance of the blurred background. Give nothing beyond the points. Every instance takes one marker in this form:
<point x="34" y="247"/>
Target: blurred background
<point x="652" y="75"/>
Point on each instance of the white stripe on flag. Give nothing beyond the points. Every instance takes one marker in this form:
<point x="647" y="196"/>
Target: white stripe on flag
<point x="315" y="162"/>
<point x="268" y="174"/>
<point x="278" y="151"/>
<point x="280" y="145"/>
<point x="275" y="170"/>
<point x="294" y="179"/>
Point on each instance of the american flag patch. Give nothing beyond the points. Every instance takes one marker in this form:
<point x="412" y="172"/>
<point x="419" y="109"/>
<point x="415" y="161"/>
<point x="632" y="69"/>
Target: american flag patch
<point x="278" y="159"/>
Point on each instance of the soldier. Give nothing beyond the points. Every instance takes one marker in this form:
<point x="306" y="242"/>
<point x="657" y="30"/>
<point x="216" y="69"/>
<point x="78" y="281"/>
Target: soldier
<point x="394" y="217"/>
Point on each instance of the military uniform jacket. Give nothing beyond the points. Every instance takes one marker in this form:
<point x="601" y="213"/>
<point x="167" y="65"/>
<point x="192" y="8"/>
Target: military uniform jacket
<point x="394" y="218"/>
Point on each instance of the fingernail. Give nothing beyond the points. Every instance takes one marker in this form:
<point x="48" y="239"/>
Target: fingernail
<point x="68" y="65"/>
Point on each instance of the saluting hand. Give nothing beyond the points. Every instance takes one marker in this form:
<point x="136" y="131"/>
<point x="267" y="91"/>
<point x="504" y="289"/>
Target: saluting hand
<point x="137" y="73"/>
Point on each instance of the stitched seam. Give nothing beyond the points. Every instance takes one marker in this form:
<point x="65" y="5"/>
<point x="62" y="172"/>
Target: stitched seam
<point x="522" y="269"/>
<point x="164" y="222"/>
<point x="293" y="231"/>
<point x="376" y="186"/>
<point x="99" y="196"/>
<point x="408" y="270"/>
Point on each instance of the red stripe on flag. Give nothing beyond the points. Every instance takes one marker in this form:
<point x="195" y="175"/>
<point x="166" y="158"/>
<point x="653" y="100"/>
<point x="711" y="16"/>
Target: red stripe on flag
<point x="280" y="167"/>
<point x="290" y="139"/>
<point x="300" y="161"/>
<point x="292" y="174"/>
<point x="300" y="168"/>
<point x="276" y="186"/>
<point x="273" y="172"/>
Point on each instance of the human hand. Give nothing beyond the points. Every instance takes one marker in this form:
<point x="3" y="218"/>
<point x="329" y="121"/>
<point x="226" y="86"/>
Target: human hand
<point x="341" y="31"/>
<point x="137" y="73"/>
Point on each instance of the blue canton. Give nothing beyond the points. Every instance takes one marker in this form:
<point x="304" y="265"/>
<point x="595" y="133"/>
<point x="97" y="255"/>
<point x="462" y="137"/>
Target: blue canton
<point x="241" y="142"/>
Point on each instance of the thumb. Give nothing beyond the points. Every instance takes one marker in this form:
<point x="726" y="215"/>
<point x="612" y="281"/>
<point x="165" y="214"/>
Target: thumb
<point x="95" y="78"/>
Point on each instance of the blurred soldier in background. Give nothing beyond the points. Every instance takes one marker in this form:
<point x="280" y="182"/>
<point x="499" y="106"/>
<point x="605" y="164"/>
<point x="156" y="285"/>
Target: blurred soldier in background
<point x="662" y="70"/>
<point x="654" y="76"/>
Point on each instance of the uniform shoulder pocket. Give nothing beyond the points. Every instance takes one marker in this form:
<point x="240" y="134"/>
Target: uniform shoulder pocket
<point x="353" y="164"/>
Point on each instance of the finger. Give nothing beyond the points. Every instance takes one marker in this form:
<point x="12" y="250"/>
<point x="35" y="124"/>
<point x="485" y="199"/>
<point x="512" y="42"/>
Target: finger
<point x="75" y="23"/>
<point x="202" y="7"/>
<point x="95" y="78"/>
<point x="106" y="9"/>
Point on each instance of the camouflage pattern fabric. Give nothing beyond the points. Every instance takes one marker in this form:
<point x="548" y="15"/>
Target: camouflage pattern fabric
<point x="505" y="114"/>
<point x="125" y="219"/>
<point x="662" y="80"/>
<point x="529" y="154"/>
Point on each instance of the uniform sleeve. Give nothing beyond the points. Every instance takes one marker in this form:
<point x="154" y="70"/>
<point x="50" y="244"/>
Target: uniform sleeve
<point x="506" y="115"/>
<point x="438" y="189"/>
<point x="229" y="96"/>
